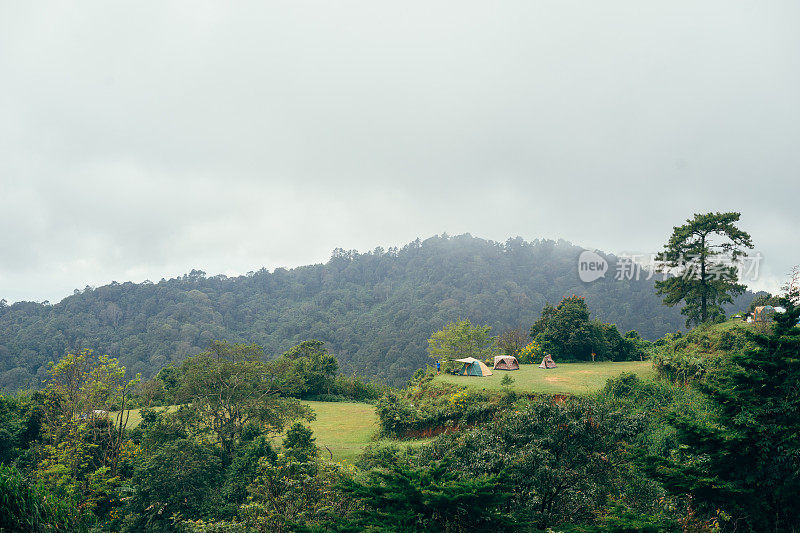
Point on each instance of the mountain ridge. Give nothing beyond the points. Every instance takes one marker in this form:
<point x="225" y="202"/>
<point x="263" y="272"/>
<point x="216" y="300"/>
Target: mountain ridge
<point x="374" y="309"/>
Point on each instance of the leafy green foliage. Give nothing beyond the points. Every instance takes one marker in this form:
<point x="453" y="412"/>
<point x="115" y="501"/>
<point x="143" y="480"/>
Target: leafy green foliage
<point x="178" y="477"/>
<point x="79" y="453"/>
<point x="289" y="494"/>
<point x="402" y="498"/>
<point x="242" y="472"/>
<point x="229" y="389"/>
<point x="619" y="518"/>
<point x="565" y="331"/>
<point x="560" y="458"/>
<point x="20" y="426"/>
<point x="27" y="507"/>
<point x="299" y="443"/>
<point x="745" y="460"/>
<point x="512" y="341"/>
<point x="306" y="371"/>
<point x="313" y="367"/>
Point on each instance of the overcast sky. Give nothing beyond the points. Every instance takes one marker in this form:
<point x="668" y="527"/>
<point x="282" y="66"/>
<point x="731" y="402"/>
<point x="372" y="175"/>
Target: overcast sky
<point x="139" y="140"/>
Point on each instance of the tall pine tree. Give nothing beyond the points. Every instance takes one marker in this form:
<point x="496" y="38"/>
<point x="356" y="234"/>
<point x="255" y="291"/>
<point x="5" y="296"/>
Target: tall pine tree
<point x="703" y="251"/>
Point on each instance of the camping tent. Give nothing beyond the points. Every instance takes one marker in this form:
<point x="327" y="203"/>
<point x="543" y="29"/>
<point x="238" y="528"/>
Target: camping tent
<point x="473" y="367"/>
<point x="547" y="362"/>
<point x="505" y="362"/>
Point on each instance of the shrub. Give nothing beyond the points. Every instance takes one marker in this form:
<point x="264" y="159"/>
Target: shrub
<point x="428" y="407"/>
<point x="26" y="507"/>
<point x="530" y="354"/>
<point x="357" y="388"/>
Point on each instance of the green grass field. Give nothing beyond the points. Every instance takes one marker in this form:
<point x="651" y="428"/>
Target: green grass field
<point x="344" y="427"/>
<point x="134" y="419"/>
<point x="568" y="378"/>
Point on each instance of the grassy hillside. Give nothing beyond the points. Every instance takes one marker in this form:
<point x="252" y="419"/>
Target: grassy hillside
<point x="567" y="378"/>
<point x="692" y="356"/>
<point x="712" y="340"/>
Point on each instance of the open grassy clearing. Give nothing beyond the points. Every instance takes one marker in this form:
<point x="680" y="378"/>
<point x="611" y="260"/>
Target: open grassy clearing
<point x="343" y="427"/>
<point x="567" y="378"/>
<point x="135" y="418"/>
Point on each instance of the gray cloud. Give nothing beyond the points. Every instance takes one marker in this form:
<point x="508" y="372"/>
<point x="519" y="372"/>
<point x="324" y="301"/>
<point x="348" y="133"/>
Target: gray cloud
<point x="140" y="140"/>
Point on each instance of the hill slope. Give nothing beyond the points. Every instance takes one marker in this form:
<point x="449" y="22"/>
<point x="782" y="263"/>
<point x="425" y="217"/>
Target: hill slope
<point x="375" y="310"/>
<point x="566" y="378"/>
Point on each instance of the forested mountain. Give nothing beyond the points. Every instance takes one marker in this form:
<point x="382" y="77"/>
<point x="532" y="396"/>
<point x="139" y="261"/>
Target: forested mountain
<point x="375" y="310"/>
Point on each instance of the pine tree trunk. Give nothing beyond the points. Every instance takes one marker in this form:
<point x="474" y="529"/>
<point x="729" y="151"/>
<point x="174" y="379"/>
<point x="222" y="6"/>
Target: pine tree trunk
<point x="703" y="311"/>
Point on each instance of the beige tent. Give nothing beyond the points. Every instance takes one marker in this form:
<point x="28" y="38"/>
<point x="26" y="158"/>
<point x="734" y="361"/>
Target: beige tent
<point x="547" y="362"/>
<point x="473" y="367"/>
<point x="505" y="362"/>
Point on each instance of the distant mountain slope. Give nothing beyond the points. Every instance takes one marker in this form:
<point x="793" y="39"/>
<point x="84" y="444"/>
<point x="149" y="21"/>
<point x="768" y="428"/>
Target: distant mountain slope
<point x="376" y="310"/>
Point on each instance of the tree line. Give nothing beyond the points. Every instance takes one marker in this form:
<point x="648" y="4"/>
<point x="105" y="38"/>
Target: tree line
<point x="564" y="331"/>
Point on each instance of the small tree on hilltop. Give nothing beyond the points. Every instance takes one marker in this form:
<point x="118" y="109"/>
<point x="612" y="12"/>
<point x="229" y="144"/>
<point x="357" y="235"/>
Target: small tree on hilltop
<point x="567" y="333"/>
<point x="764" y="298"/>
<point x="461" y="339"/>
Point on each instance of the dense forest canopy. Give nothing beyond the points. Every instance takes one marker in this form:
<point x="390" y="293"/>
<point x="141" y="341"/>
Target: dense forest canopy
<point x="375" y="310"/>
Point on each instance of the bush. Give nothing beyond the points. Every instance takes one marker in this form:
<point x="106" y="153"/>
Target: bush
<point x="26" y="507"/>
<point x="395" y="415"/>
<point x="430" y="407"/>
<point x="357" y="388"/>
<point x="182" y="476"/>
<point x="531" y="353"/>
